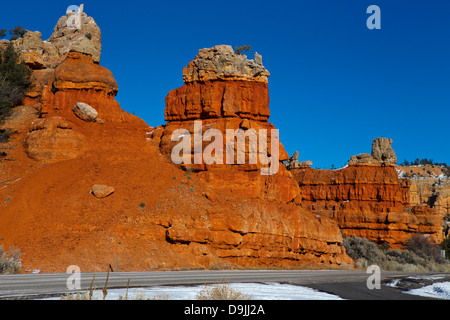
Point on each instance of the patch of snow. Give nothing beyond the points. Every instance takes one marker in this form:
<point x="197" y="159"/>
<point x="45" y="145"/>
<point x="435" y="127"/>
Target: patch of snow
<point x="400" y="173"/>
<point x="257" y="291"/>
<point x="440" y="290"/>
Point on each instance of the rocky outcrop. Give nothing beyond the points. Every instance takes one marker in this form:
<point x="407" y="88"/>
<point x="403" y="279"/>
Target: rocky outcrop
<point x="429" y="186"/>
<point x="367" y="199"/>
<point x="77" y="32"/>
<point x="382" y="152"/>
<point x="293" y="162"/>
<point x="222" y="63"/>
<point x="54" y="139"/>
<point x="74" y="32"/>
<point x="224" y="91"/>
<point x="207" y="215"/>
<point x="66" y="70"/>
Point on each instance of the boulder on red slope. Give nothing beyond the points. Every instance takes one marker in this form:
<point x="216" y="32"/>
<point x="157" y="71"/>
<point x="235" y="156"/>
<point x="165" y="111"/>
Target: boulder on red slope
<point x="85" y="112"/>
<point x="102" y="191"/>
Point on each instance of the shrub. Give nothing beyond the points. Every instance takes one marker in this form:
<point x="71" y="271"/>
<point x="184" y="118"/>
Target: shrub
<point x="10" y="261"/>
<point x="221" y="292"/>
<point x="242" y="49"/>
<point x="445" y="245"/>
<point x="422" y="247"/>
<point x="17" y="32"/>
<point x="14" y="80"/>
<point x="362" y="248"/>
<point x="405" y="257"/>
<point x="419" y="257"/>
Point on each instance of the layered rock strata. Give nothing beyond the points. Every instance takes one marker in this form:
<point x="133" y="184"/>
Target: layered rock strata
<point x="224" y="91"/>
<point x="368" y="200"/>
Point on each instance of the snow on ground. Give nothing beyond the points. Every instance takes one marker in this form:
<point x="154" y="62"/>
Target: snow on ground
<point x="440" y="290"/>
<point x="257" y="291"/>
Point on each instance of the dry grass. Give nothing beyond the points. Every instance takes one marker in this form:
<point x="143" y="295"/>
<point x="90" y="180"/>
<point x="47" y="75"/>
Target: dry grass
<point x="221" y="292"/>
<point x="10" y="261"/>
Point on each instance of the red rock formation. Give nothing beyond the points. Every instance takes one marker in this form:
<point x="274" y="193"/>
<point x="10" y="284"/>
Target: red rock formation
<point x="217" y="99"/>
<point x="367" y="201"/>
<point x="79" y="79"/>
<point x="263" y="224"/>
<point x="159" y="216"/>
<point x="53" y="139"/>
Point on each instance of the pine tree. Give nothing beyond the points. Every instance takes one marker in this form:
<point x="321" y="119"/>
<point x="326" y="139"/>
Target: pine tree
<point x="14" y="80"/>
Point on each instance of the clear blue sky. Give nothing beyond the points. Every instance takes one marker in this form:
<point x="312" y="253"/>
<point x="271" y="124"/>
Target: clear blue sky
<point x="335" y="85"/>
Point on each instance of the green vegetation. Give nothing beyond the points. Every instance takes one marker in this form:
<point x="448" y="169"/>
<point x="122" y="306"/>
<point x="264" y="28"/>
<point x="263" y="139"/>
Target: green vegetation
<point x="419" y="256"/>
<point x="426" y="162"/>
<point x="242" y="49"/>
<point x="14" y="81"/>
<point x="10" y="261"/>
<point x="17" y="32"/>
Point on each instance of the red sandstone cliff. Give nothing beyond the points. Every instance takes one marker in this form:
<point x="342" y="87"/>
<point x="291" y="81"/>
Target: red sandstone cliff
<point x="159" y="216"/>
<point x="367" y="199"/>
<point x="167" y="216"/>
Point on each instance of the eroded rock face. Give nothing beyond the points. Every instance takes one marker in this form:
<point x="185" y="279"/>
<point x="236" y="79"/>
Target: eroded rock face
<point x="382" y="152"/>
<point x="263" y="224"/>
<point x="368" y="201"/>
<point x="53" y="139"/>
<point x="293" y="162"/>
<point x="161" y="217"/>
<point x="224" y="90"/>
<point x="77" y="32"/>
<point x="218" y="99"/>
<point x="222" y="63"/>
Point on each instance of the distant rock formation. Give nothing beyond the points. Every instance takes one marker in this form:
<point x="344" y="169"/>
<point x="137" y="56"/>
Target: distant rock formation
<point x="368" y="201"/>
<point x="293" y="162"/>
<point x="382" y="152"/>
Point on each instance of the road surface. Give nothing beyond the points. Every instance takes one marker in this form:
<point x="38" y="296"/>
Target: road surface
<point x="344" y="283"/>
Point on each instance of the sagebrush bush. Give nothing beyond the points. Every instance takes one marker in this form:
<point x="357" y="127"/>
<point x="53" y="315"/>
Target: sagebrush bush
<point x="419" y="257"/>
<point x="361" y="248"/>
<point x="421" y="246"/>
<point x="221" y="292"/>
<point x="10" y="261"/>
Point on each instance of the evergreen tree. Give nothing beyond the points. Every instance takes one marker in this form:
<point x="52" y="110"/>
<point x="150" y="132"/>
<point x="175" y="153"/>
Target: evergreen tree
<point x="14" y="80"/>
<point x="17" y="32"/>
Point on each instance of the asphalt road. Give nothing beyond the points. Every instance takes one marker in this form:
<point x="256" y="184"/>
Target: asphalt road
<point x="344" y="283"/>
